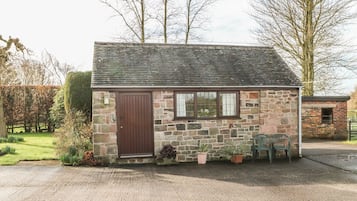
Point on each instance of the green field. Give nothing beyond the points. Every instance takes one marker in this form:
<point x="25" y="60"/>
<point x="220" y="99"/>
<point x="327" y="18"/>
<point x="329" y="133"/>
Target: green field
<point x="37" y="146"/>
<point x="353" y="141"/>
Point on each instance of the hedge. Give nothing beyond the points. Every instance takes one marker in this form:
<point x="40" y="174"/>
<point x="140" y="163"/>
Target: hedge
<point x="77" y="93"/>
<point x="28" y="106"/>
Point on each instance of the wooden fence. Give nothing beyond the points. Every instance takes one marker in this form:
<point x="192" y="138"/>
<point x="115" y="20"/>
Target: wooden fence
<point x="352" y="130"/>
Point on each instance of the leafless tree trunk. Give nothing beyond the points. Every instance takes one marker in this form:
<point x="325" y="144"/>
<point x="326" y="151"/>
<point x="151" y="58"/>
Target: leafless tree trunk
<point x="132" y="13"/>
<point x="309" y="32"/>
<point x="165" y="20"/>
<point x="4" y="58"/>
<point x="195" y="15"/>
<point x="3" y="129"/>
<point x="168" y="15"/>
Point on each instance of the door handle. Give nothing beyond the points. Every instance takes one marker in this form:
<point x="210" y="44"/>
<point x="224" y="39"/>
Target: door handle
<point x="121" y="126"/>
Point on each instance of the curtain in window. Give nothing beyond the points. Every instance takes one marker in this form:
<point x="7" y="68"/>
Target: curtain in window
<point x="181" y="105"/>
<point x="228" y="104"/>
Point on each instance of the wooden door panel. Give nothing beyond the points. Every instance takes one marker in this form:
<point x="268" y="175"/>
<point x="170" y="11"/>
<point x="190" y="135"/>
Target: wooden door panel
<point x="135" y="128"/>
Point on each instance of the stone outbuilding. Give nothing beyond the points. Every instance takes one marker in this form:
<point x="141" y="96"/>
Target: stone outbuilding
<point x="325" y="117"/>
<point x="149" y="95"/>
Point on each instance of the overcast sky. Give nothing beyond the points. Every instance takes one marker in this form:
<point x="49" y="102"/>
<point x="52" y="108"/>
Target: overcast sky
<point x="68" y="28"/>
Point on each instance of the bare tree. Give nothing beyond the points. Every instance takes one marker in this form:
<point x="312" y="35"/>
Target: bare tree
<point x="168" y="14"/>
<point x="132" y="13"/>
<point x="8" y="75"/>
<point x="352" y="103"/>
<point x="195" y="15"/>
<point x="56" y="70"/>
<point x="309" y="33"/>
<point x="5" y="52"/>
<point x="175" y="18"/>
<point x="31" y="72"/>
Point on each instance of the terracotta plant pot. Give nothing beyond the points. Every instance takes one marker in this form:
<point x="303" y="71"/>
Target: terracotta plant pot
<point x="237" y="159"/>
<point x="201" y="157"/>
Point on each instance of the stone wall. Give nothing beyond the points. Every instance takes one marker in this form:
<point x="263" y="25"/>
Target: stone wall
<point x="104" y="126"/>
<point x="265" y="111"/>
<point x="279" y="113"/>
<point x="186" y="135"/>
<point x="311" y="120"/>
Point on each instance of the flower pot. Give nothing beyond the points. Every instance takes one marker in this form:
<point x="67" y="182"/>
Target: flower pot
<point x="201" y="157"/>
<point x="237" y="159"/>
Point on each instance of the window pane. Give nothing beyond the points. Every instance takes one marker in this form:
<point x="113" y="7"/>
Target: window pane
<point x="206" y="104"/>
<point x="326" y="115"/>
<point x="228" y="104"/>
<point x="185" y="105"/>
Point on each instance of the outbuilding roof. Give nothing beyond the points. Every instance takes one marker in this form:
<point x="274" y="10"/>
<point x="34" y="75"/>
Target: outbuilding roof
<point x="325" y="98"/>
<point x="129" y="65"/>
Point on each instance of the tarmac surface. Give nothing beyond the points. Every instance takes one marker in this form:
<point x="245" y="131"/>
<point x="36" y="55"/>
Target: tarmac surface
<point x="327" y="172"/>
<point x="332" y="153"/>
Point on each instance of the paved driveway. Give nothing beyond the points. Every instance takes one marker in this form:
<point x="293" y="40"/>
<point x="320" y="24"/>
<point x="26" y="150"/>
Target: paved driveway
<point x="303" y="179"/>
<point x="333" y="153"/>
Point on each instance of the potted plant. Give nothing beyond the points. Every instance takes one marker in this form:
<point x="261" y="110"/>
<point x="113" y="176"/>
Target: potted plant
<point x="234" y="153"/>
<point x="202" y="154"/>
<point x="167" y="155"/>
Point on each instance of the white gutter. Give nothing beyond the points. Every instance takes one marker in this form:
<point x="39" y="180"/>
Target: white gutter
<point x="300" y="122"/>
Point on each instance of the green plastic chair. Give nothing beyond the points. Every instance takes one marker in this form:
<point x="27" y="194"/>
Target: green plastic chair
<point x="281" y="142"/>
<point x="261" y="142"/>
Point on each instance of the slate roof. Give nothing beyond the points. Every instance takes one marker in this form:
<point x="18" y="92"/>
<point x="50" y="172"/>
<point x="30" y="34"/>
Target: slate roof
<point x="127" y="65"/>
<point x="326" y="98"/>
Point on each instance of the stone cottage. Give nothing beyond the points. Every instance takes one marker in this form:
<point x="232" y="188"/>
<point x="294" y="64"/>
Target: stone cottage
<point x="324" y="117"/>
<point x="149" y="95"/>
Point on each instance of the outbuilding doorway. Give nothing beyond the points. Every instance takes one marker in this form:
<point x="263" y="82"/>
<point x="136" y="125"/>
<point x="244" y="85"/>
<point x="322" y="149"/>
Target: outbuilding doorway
<point x="135" y="124"/>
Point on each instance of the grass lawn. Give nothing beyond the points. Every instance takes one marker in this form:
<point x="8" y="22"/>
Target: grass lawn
<point x="37" y="146"/>
<point x="351" y="142"/>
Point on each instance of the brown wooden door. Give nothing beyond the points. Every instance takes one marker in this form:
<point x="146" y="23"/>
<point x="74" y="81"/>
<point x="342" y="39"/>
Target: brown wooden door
<point x="135" y="125"/>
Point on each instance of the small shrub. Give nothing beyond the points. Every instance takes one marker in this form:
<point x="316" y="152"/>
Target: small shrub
<point x="57" y="113"/>
<point x="12" y="150"/>
<point x="72" y="150"/>
<point x="167" y="151"/>
<point x="203" y="148"/>
<point x="20" y="139"/>
<point x="73" y="139"/>
<point x="8" y="150"/>
<point x="74" y="160"/>
<point x="3" y="140"/>
<point x="68" y="159"/>
<point x="11" y="139"/>
<point x="64" y="158"/>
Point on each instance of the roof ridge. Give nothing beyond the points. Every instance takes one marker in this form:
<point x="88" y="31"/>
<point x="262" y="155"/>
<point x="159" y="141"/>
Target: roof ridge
<point x="215" y="46"/>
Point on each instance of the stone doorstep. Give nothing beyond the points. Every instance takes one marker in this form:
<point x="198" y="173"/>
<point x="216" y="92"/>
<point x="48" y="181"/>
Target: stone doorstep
<point x="137" y="160"/>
